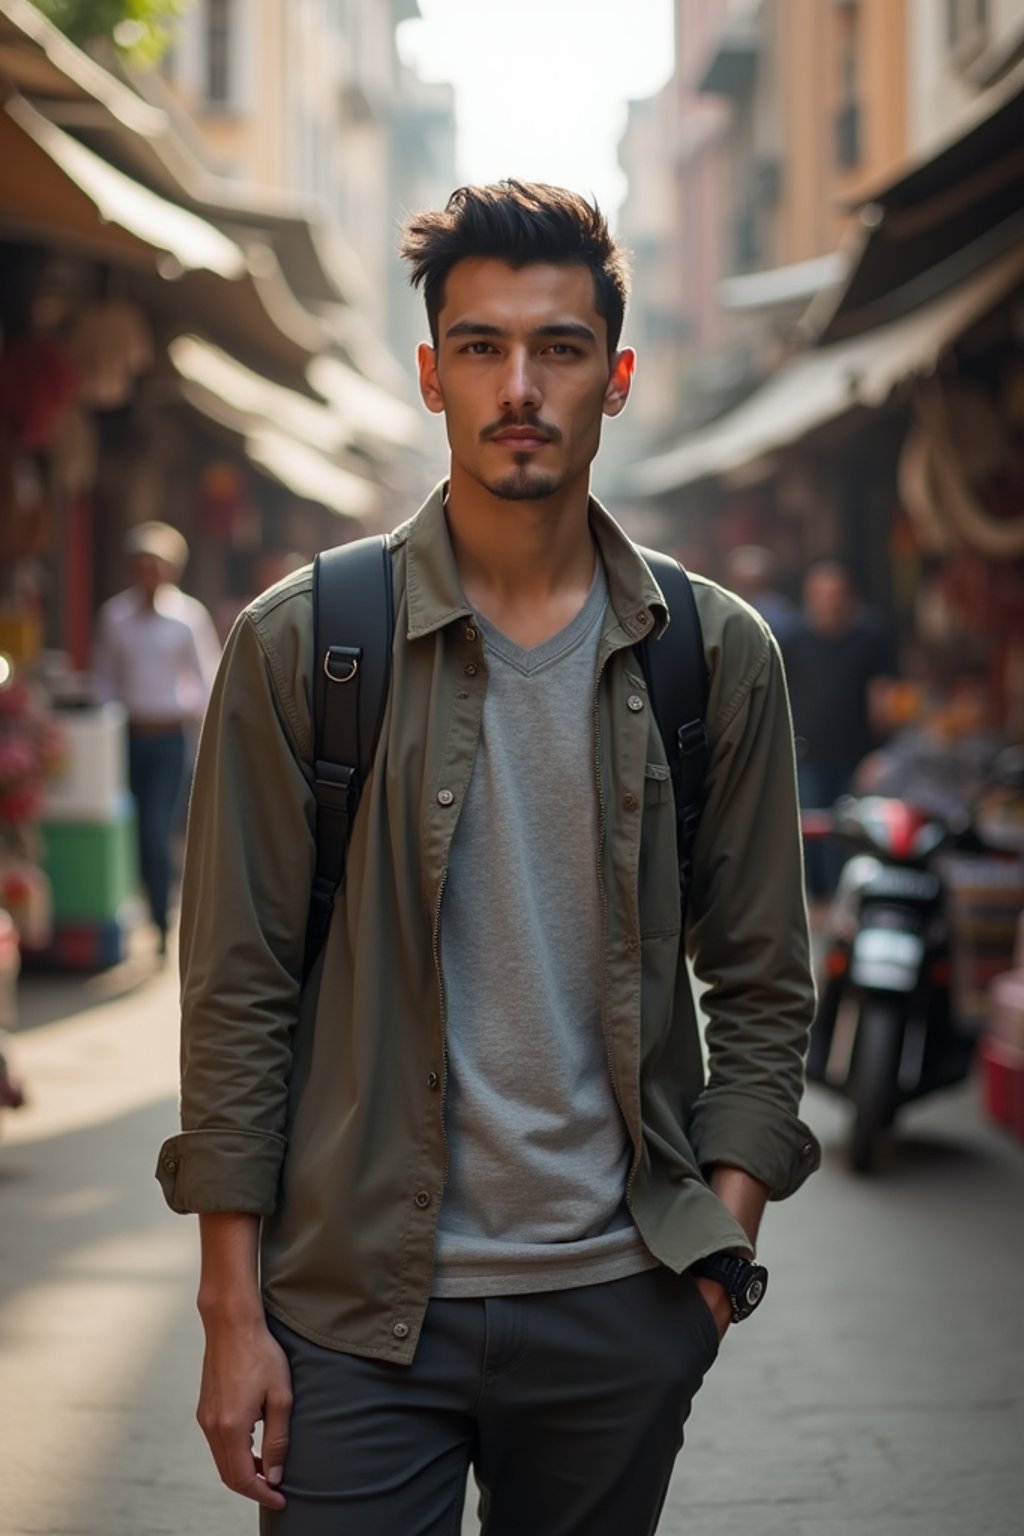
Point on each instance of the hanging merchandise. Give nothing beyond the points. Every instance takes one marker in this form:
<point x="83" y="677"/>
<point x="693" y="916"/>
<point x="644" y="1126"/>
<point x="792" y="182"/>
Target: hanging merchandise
<point x="226" y="512"/>
<point x="31" y="749"/>
<point x="74" y="453"/>
<point x="110" y="344"/>
<point x="961" y="476"/>
<point x="986" y="596"/>
<point x="37" y="383"/>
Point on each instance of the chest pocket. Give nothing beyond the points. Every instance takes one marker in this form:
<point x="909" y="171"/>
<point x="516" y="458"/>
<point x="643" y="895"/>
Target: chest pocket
<point x="657" y="784"/>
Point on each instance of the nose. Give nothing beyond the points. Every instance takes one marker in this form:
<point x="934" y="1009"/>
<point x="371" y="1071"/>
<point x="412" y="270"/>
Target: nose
<point x="518" y="388"/>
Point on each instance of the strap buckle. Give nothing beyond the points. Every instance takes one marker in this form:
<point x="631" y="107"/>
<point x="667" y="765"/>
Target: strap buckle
<point x="341" y="662"/>
<point x="692" y="737"/>
<point x="336" y="786"/>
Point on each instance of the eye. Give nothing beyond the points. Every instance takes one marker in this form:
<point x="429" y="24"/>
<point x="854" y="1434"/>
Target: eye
<point x="563" y="349"/>
<point x="477" y="348"/>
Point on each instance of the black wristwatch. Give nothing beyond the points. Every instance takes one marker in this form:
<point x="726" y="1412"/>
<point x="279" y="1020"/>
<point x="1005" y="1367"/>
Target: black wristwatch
<point x="743" y="1282"/>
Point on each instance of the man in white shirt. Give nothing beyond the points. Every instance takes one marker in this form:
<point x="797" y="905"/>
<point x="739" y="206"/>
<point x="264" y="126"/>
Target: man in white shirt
<point x="157" y="653"/>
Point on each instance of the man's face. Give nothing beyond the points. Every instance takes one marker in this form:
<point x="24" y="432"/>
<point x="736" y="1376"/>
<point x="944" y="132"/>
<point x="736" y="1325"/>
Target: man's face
<point x="149" y="573"/>
<point x="827" y="602"/>
<point x="522" y="374"/>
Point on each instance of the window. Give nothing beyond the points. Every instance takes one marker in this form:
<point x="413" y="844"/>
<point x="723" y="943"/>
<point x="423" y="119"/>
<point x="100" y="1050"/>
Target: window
<point x="847" y="126"/>
<point x="847" y="129"/>
<point x="218" y="52"/>
<point x="966" y="26"/>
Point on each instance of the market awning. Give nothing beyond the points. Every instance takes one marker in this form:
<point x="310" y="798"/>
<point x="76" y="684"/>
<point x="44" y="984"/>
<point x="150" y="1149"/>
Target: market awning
<point x="925" y="229"/>
<point x="824" y="383"/>
<point x="285" y="434"/>
<point x="308" y="474"/>
<point x="135" y="131"/>
<point x="256" y="399"/>
<point x="38" y="59"/>
<point x="367" y="410"/>
<point x="778" y="286"/>
<point x="33" y="192"/>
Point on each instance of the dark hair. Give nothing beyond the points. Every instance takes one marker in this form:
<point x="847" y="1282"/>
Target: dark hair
<point x="519" y="222"/>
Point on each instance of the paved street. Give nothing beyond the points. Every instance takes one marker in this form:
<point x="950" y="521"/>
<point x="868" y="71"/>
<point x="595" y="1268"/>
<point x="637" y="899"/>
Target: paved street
<point x="879" y="1393"/>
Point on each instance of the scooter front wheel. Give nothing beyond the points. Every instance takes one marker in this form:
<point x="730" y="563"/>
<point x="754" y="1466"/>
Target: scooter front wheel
<point x="874" y="1085"/>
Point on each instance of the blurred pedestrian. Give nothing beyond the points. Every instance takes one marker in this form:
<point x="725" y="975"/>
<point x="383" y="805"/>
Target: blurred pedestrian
<point x="157" y="653"/>
<point x="464" y="1195"/>
<point x="839" y="665"/>
<point x="750" y="573"/>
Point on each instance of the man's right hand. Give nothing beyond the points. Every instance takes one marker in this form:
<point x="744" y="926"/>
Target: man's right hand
<point x="246" y="1379"/>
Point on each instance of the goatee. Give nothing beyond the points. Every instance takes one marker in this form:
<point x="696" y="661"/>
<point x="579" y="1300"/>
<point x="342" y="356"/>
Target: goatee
<point x="523" y="485"/>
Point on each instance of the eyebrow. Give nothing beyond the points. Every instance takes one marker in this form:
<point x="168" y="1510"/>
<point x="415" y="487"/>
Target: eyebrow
<point x="558" y="329"/>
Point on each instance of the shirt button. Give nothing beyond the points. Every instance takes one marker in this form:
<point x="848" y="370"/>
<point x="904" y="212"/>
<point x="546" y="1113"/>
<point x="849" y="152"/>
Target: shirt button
<point x="445" y="797"/>
<point x="807" y="1150"/>
<point x="170" y="1164"/>
<point x="471" y="669"/>
<point x="422" y="1199"/>
<point x="471" y="634"/>
<point x="630" y="802"/>
<point x="632" y="945"/>
<point x="400" y="1330"/>
<point x="432" y="1080"/>
<point x="642" y="616"/>
<point x="635" y="703"/>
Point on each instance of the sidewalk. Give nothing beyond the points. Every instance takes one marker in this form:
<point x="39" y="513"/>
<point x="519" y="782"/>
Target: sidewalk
<point x="879" y="1392"/>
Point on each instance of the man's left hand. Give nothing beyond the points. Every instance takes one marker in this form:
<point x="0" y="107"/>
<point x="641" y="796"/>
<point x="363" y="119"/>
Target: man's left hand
<point x="718" y="1303"/>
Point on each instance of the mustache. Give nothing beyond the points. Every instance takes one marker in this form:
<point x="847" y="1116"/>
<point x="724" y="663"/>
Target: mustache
<point x="542" y="428"/>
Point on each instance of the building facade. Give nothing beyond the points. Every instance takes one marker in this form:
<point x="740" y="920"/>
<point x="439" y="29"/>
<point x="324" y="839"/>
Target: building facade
<point x="779" y="114"/>
<point x="957" y="52"/>
<point x="309" y="98"/>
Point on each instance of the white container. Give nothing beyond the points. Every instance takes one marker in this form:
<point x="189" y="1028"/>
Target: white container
<point x="92" y="779"/>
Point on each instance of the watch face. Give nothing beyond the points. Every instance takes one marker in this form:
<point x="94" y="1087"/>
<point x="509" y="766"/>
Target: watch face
<point x="753" y="1293"/>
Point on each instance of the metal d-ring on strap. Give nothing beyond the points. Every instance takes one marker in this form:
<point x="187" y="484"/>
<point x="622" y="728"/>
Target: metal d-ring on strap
<point x="336" y="652"/>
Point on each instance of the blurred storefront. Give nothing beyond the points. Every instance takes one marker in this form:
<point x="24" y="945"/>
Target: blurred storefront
<point x="166" y="351"/>
<point x="893" y="438"/>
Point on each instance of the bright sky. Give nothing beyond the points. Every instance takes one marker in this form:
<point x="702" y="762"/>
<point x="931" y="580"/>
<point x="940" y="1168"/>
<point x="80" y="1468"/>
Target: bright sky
<point x="541" y="85"/>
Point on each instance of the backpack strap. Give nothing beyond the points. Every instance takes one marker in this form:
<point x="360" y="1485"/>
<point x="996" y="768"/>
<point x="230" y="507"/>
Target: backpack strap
<point x="353" y="630"/>
<point x="677" y="680"/>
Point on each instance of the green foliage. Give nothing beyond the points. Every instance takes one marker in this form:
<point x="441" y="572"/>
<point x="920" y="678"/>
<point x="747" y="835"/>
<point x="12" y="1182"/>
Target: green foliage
<point x="141" y="30"/>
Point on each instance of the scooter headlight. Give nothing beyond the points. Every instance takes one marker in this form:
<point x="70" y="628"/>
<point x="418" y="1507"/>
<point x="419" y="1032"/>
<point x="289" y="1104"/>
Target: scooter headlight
<point x="927" y="839"/>
<point x="857" y="873"/>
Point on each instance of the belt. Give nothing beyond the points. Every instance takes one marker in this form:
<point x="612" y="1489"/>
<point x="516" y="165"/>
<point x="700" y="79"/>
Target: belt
<point x="154" y="727"/>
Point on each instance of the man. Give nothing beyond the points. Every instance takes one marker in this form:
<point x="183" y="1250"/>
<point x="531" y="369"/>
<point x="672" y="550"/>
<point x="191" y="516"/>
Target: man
<point x="478" y="1137"/>
<point x="838" y="666"/>
<point x="157" y="653"/>
<point x="750" y="572"/>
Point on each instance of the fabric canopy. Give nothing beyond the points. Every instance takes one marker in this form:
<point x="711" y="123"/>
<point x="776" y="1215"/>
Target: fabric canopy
<point x="292" y="438"/>
<point x="189" y="240"/>
<point x="822" y="384"/>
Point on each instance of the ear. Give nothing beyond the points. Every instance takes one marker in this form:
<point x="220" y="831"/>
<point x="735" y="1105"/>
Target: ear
<point x="430" y="384"/>
<point x="617" y="392"/>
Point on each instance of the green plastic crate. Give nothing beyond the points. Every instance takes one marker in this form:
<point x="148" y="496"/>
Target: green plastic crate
<point x="92" y="866"/>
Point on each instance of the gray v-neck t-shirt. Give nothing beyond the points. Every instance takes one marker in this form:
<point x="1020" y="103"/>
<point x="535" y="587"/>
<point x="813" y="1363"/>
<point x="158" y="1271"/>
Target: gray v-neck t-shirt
<point x="538" y="1151"/>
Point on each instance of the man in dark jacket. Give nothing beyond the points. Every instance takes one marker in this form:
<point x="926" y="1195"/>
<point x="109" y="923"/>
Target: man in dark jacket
<point x="837" y="667"/>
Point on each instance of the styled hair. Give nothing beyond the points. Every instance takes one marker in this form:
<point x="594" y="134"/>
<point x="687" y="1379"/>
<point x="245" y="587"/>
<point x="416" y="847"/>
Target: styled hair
<point x="518" y="222"/>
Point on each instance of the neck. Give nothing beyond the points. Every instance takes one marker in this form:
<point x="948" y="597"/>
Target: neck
<point x="526" y="566"/>
<point x="520" y="551"/>
<point x="147" y="598"/>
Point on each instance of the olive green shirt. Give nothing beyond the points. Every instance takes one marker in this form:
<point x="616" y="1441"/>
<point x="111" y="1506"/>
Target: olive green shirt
<point x="321" y="1106"/>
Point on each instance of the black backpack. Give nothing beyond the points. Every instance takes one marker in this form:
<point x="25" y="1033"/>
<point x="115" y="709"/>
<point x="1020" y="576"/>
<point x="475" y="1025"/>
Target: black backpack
<point x="354" y="623"/>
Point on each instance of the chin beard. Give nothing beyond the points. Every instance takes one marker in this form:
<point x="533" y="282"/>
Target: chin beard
<point x="524" y="484"/>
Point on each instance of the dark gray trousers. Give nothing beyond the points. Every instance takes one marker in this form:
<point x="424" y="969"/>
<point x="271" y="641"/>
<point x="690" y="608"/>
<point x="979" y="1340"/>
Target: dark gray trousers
<point x="568" y="1405"/>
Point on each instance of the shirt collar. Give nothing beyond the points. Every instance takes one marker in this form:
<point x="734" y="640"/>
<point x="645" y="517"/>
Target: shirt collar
<point x="434" y="591"/>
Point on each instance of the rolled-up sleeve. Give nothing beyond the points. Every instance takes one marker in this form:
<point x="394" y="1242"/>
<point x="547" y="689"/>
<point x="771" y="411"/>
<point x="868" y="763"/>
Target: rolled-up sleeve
<point x="249" y="865"/>
<point x="748" y="936"/>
